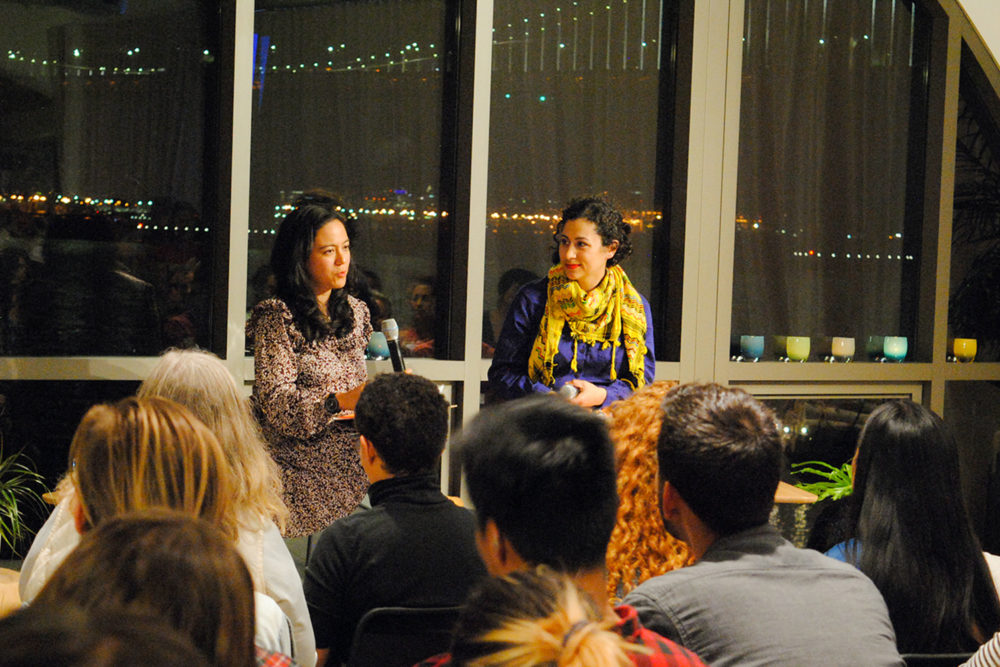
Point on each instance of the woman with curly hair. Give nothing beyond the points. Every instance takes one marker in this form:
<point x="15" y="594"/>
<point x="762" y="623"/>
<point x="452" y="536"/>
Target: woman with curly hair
<point x="584" y="324"/>
<point x="640" y="548"/>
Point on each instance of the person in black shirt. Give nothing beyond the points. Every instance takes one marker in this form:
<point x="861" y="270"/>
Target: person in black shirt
<point x="415" y="547"/>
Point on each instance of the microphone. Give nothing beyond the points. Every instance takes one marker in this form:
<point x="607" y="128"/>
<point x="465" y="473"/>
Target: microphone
<point x="568" y="391"/>
<point x="391" y="331"/>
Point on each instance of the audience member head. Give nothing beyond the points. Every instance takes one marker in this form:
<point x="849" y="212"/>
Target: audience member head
<point x="148" y="452"/>
<point x="607" y="221"/>
<point x="40" y="636"/>
<point x="911" y="525"/>
<point x="541" y="475"/>
<point x="294" y="285"/>
<point x="719" y="448"/>
<point x="535" y="617"/>
<point x="423" y="306"/>
<point x="200" y="382"/>
<point x="165" y="564"/>
<point x="405" y="418"/>
<point x="639" y="547"/>
<point x="511" y="281"/>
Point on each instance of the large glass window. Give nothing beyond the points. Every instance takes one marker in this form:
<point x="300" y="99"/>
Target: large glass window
<point x="38" y="418"/>
<point x="820" y="434"/>
<point x="109" y="201"/>
<point x="582" y="103"/>
<point x="974" y="313"/>
<point x="828" y="208"/>
<point x="347" y="103"/>
<point x="972" y="413"/>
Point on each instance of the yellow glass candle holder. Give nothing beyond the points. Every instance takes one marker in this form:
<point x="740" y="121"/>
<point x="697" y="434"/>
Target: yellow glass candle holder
<point x="797" y="347"/>
<point x="964" y="349"/>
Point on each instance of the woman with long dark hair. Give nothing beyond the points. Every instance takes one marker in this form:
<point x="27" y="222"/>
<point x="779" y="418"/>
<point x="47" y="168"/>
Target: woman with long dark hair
<point x="309" y="344"/>
<point x="910" y="533"/>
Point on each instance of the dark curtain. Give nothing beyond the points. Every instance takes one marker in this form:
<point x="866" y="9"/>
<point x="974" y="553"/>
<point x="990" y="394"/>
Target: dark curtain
<point x="822" y="168"/>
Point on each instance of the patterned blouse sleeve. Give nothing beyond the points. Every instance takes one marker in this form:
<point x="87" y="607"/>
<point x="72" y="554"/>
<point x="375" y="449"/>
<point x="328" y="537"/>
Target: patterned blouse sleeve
<point x="291" y="410"/>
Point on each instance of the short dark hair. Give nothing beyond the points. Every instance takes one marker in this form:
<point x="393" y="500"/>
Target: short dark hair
<point x="543" y="469"/>
<point x="720" y="448"/>
<point x="406" y="418"/>
<point x="607" y="220"/>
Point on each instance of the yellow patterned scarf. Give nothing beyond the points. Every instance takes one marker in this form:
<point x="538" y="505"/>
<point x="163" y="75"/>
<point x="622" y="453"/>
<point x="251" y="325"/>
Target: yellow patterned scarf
<point x="600" y="316"/>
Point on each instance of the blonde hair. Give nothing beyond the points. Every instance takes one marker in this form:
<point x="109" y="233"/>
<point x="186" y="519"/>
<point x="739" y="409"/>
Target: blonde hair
<point x="142" y="453"/>
<point x="200" y="381"/>
<point x="640" y="548"/>
<point x="536" y="618"/>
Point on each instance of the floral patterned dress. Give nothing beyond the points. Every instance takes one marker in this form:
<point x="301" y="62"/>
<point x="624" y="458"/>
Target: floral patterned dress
<point x="318" y="457"/>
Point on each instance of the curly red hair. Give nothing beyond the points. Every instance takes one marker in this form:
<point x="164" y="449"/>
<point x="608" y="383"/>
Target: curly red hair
<point x="640" y="548"/>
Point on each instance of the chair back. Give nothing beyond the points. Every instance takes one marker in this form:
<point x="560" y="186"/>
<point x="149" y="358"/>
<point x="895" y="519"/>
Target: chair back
<point x="401" y="636"/>
<point x="935" y="659"/>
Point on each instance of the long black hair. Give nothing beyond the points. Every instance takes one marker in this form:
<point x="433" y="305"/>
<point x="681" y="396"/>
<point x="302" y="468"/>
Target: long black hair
<point x="289" y="262"/>
<point x="913" y="537"/>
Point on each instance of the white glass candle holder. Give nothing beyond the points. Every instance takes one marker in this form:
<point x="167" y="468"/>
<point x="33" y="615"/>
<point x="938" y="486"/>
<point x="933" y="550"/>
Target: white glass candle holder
<point x="842" y="349"/>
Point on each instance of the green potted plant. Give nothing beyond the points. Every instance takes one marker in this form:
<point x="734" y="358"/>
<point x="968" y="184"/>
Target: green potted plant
<point x="835" y="482"/>
<point x="20" y="487"/>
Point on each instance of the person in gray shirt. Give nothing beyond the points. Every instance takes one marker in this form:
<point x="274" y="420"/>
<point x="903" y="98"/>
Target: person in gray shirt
<point x="751" y="597"/>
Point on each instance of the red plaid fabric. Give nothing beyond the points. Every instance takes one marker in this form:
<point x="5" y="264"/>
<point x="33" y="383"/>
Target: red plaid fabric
<point x="665" y="653"/>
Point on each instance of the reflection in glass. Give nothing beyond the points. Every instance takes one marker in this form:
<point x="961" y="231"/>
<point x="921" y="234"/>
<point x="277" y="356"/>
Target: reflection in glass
<point x="575" y="111"/>
<point x="348" y="104"/>
<point x="974" y="307"/>
<point x="821" y="210"/>
<point x="39" y="418"/>
<point x="972" y="413"/>
<point x="817" y="429"/>
<point x="109" y="133"/>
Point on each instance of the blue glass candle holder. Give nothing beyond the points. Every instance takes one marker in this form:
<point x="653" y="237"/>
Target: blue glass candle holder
<point x="751" y="348"/>
<point x="895" y="348"/>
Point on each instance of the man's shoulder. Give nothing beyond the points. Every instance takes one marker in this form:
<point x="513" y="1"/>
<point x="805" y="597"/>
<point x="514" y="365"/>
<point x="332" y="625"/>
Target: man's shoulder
<point x="348" y="532"/>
